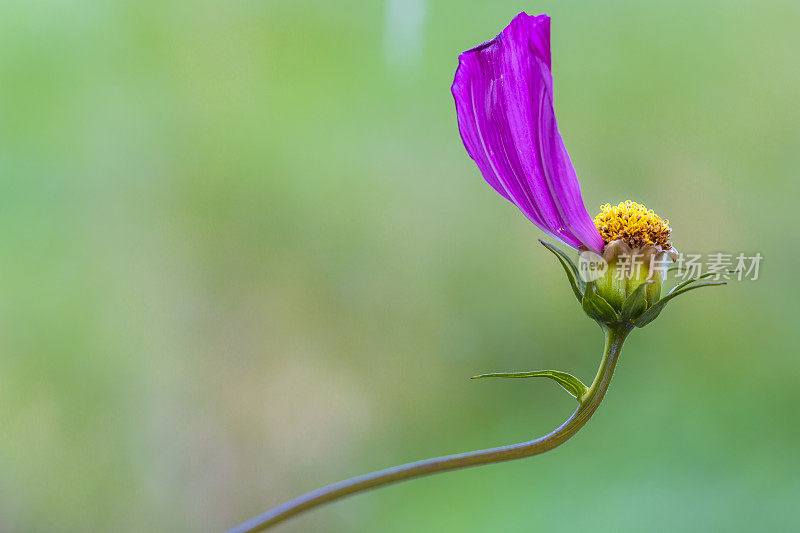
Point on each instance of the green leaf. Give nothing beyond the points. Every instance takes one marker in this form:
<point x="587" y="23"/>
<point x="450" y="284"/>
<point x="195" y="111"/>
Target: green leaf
<point x="597" y="307"/>
<point x="673" y="294"/>
<point x="636" y="303"/>
<point x="689" y="281"/>
<point x="569" y="267"/>
<point x="652" y="313"/>
<point x="568" y="382"/>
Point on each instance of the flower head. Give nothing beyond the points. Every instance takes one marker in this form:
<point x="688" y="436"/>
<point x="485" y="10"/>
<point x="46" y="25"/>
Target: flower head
<point x="503" y="91"/>
<point x="634" y="224"/>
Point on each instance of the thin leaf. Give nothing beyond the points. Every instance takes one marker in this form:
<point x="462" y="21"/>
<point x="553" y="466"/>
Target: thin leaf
<point x="568" y="382"/>
<point x="569" y="268"/>
<point x="702" y="276"/>
<point x="684" y="290"/>
<point x="555" y="249"/>
<point x="690" y="281"/>
<point x="651" y="314"/>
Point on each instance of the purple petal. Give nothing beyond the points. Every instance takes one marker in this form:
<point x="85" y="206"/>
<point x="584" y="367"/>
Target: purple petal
<point x="504" y="101"/>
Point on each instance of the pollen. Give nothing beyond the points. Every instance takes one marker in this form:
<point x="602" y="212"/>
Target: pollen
<point x="636" y="225"/>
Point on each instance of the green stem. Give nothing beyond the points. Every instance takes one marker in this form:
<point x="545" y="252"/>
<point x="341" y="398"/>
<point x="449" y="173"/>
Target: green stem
<point x="588" y="404"/>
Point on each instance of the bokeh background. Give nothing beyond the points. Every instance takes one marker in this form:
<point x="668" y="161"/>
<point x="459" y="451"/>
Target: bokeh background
<point x="244" y="254"/>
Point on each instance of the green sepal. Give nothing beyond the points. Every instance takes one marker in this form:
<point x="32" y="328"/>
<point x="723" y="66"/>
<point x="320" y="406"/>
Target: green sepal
<point x="652" y="313"/>
<point x="569" y="267"/>
<point x="597" y="307"/>
<point x="683" y="284"/>
<point x="568" y="382"/>
<point x="636" y="303"/>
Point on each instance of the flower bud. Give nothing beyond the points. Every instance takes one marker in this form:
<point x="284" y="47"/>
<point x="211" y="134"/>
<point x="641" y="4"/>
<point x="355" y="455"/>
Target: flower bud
<point x="622" y="287"/>
<point x="627" y="268"/>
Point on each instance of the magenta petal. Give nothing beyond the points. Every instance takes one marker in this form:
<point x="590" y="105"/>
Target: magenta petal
<point x="504" y="101"/>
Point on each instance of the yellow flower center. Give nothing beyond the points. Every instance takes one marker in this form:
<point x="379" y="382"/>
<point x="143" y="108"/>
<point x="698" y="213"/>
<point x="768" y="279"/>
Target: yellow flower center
<point x="634" y="224"/>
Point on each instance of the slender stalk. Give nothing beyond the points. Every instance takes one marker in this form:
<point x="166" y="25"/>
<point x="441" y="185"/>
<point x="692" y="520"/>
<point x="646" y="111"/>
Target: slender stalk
<point x="588" y="404"/>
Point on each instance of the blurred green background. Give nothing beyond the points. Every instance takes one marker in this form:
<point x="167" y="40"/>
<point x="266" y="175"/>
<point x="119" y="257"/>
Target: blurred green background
<point x="244" y="254"/>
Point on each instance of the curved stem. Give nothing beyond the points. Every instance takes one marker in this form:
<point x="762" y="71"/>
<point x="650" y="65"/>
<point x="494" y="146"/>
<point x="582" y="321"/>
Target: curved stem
<point x="588" y="404"/>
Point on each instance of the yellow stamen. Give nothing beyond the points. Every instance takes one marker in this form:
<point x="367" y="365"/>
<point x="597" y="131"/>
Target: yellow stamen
<point x="634" y="224"/>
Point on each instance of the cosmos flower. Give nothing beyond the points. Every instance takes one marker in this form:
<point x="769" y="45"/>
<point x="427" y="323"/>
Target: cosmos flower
<point x="503" y="90"/>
